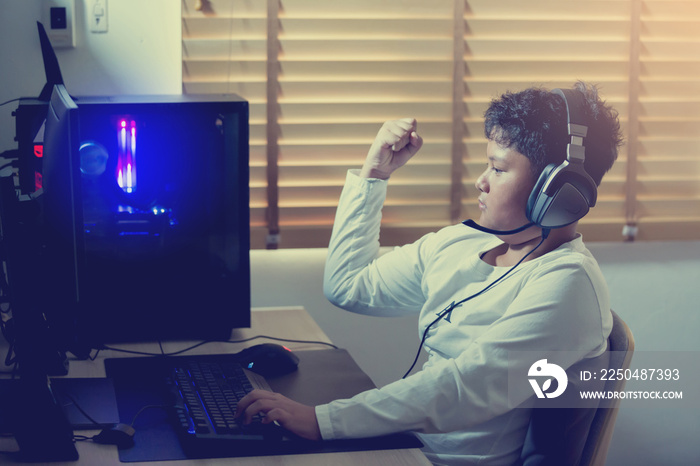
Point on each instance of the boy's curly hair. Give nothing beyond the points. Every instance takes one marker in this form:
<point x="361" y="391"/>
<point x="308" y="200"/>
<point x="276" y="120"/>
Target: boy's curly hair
<point x="533" y="122"/>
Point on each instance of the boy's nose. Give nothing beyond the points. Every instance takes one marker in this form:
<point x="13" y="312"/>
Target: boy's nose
<point x="481" y="184"/>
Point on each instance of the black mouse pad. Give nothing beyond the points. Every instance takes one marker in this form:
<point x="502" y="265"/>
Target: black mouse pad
<point x="323" y="376"/>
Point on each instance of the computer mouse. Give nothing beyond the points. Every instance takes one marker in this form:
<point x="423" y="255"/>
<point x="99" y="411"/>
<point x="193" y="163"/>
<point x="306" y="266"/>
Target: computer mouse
<point x="121" y="435"/>
<point x="268" y="359"/>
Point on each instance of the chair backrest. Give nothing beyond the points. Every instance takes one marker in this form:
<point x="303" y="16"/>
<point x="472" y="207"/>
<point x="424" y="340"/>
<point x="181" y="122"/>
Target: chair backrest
<point x="621" y="344"/>
<point x="580" y="436"/>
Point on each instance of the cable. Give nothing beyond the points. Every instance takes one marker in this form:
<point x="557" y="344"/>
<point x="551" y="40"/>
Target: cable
<point x="201" y="343"/>
<point x="313" y="342"/>
<point x="82" y="411"/>
<point x="93" y="421"/>
<point x="140" y="411"/>
<point x="10" y="101"/>
<point x="146" y="353"/>
<point x="79" y="438"/>
<point x="97" y="353"/>
<point x="452" y="305"/>
<point x="10" y="154"/>
<point x="95" y="438"/>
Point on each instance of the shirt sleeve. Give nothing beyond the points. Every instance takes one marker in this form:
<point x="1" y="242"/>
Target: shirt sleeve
<point x="355" y="278"/>
<point x="557" y="310"/>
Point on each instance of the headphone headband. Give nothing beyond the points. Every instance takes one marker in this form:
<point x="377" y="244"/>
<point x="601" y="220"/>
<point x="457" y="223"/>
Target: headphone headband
<point x="574" y="114"/>
<point x="575" y="152"/>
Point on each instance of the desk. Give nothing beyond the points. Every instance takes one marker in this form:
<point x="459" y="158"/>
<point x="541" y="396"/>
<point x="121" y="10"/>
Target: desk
<point x="290" y="323"/>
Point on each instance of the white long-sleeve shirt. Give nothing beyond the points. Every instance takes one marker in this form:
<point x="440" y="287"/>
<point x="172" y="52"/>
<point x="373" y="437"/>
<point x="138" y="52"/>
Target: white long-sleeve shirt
<point x="459" y="403"/>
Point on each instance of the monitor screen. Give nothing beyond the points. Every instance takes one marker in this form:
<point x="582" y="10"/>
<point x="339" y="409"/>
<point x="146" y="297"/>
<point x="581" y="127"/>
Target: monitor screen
<point x="147" y="218"/>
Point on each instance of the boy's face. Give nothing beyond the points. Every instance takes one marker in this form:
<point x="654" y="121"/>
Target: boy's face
<point x="505" y="188"/>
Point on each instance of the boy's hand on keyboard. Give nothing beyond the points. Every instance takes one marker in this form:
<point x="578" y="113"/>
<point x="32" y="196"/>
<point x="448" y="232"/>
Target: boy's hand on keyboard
<point x="295" y="417"/>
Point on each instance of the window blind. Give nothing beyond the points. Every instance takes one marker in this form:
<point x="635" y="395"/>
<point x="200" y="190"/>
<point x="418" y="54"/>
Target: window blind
<point x="666" y="202"/>
<point x="321" y="78"/>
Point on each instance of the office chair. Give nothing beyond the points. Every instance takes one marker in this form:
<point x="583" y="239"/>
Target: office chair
<point x="621" y="343"/>
<point x="580" y="436"/>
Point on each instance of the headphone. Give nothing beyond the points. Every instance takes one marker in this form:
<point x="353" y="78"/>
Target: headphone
<point x="564" y="193"/>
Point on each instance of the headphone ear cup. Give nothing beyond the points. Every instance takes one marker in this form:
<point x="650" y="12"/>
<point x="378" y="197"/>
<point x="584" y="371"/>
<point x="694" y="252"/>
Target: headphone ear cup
<point x="535" y="202"/>
<point x="570" y="196"/>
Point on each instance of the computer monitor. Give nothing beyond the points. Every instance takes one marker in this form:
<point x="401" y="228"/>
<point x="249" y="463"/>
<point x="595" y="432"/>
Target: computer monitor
<point x="59" y="238"/>
<point x="146" y="217"/>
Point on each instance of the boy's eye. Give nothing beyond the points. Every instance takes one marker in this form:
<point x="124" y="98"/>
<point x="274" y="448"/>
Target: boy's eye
<point x="496" y="170"/>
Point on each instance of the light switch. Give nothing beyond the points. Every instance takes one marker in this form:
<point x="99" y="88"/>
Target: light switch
<point x="97" y="15"/>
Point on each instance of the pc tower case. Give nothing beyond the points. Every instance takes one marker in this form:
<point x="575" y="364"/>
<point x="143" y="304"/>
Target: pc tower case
<point x="145" y="216"/>
<point x="164" y="199"/>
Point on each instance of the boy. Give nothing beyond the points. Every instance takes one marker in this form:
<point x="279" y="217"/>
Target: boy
<point x="482" y="298"/>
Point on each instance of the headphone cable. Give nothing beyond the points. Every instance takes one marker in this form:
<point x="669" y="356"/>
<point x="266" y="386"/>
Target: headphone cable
<point x="452" y="305"/>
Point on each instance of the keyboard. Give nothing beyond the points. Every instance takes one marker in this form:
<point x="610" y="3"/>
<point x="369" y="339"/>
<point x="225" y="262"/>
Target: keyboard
<point x="206" y="394"/>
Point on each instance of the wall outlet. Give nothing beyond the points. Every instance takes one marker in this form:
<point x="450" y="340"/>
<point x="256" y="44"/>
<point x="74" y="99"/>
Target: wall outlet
<point x="58" y="17"/>
<point x="97" y="15"/>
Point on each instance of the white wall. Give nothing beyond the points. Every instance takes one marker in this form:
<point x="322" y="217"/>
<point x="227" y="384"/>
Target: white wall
<point x="655" y="288"/>
<point x="140" y="54"/>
